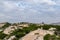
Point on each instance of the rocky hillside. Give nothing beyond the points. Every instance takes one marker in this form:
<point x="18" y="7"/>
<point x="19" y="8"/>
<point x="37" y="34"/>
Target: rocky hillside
<point x="27" y="31"/>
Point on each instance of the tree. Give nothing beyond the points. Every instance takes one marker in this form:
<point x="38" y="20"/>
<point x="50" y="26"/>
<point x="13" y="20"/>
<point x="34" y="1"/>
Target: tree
<point x="47" y="37"/>
<point x="46" y="27"/>
<point x="2" y="35"/>
<point x="18" y="33"/>
<point x="6" y="25"/>
<point x="53" y="37"/>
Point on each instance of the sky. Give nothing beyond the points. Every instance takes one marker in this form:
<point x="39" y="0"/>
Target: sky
<point x="35" y="11"/>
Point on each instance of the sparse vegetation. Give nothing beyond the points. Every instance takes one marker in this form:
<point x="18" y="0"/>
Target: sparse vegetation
<point x="25" y="30"/>
<point x="2" y="35"/>
<point x="51" y="37"/>
<point x="6" y="25"/>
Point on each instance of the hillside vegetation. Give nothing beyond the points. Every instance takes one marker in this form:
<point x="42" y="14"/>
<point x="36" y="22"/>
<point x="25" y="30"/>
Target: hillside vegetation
<point x="19" y="33"/>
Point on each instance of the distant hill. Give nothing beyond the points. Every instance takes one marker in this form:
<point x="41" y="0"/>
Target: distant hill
<point x="58" y="23"/>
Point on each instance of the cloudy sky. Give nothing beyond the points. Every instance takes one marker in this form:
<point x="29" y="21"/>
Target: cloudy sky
<point x="35" y="11"/>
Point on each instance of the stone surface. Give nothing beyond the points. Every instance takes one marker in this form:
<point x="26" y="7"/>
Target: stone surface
<point x="37" y="34"/>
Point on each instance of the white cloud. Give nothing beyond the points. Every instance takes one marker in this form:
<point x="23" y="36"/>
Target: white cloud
<point x="29" y="10"/>
<point x="3" y="16"/>
<point x="49" y="2"/>
<point x="8" y="5"/>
